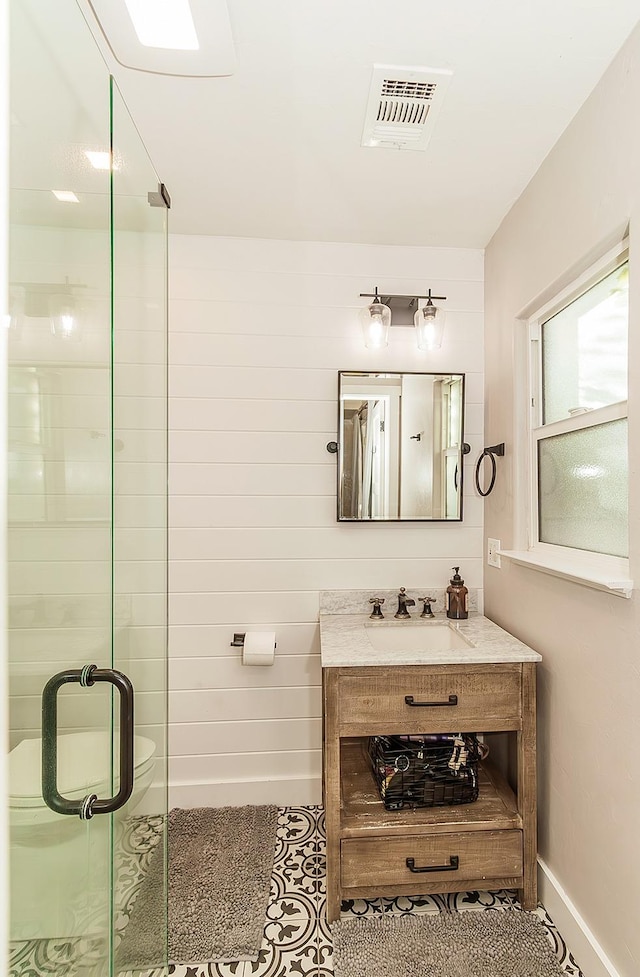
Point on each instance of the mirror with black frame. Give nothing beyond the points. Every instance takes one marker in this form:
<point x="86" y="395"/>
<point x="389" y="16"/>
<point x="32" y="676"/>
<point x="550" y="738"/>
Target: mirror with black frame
<point x="400" y="446"/>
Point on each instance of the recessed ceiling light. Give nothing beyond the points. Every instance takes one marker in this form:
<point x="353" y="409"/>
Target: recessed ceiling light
<point x="66" y="196"/>
<point x="189" y="38"/>
<point x="164" y="25"/>
<point x="99" y="160"/>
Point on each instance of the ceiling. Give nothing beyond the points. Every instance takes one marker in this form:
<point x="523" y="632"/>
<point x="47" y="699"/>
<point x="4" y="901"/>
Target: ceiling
<point x="274" y="151"/>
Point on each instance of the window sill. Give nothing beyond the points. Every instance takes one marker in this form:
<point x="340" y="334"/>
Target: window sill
<point x="607" y="575"/>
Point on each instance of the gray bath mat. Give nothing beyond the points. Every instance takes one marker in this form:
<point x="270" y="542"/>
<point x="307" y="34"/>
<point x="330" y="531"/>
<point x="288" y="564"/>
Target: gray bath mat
<point x="504" y="943"/>
<point x="220" y="865"/>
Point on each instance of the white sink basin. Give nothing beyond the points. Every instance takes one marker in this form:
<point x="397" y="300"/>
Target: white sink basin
<point x="415" y="637"/>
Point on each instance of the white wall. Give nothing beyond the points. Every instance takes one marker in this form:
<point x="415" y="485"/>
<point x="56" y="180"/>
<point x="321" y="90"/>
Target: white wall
<point x="259" y="330"/>
<point x="585" y="193"/>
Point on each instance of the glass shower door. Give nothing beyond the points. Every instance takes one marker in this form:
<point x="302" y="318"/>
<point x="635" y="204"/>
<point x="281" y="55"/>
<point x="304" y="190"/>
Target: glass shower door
<point x="87" y="495"/>
<point x="59" y="505"/>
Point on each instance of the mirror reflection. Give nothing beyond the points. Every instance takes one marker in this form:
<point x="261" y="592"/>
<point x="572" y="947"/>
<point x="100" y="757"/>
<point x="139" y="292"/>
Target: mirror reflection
<point x="400" y="454"/>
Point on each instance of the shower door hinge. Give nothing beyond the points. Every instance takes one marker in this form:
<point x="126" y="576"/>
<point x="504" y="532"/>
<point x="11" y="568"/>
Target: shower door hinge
<point x="159" y="197"/>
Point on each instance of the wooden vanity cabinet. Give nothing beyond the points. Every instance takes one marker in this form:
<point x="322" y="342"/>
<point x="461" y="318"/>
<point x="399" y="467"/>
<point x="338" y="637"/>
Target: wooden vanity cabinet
<point x="488" y="844"/>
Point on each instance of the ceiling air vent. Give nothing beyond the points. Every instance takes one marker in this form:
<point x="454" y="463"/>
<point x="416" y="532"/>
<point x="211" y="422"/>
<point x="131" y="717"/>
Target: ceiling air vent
<point x="403" y="106"/>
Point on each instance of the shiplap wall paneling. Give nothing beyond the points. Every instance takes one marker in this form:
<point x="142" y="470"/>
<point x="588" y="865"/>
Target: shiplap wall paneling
<point x="259" y="331"/>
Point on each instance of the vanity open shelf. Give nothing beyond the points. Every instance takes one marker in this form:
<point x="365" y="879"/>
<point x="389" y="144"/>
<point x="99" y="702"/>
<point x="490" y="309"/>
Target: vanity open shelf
<point x="363" y="814"/>
<point x="484" y="845"/>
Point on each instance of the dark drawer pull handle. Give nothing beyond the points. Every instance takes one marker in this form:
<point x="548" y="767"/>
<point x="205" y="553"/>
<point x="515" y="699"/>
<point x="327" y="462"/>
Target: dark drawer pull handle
<point x="453" y="701"/>
<point x="451" y="867"/>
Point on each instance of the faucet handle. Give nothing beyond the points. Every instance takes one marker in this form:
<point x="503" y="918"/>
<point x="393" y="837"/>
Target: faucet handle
<point x="426" y="610"/>
<point x="376" y="613"/>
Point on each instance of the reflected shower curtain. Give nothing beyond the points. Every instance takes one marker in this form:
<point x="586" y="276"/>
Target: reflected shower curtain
<point x="360" y="499"/>
<point x="358" y="474"/>
<point x="366" y="460"/>
<point x="357" y="446"/>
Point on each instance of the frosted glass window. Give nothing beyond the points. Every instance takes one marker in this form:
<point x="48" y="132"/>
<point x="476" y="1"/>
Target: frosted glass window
<point x="582" y="489"/>
<point x="584" y="350"/>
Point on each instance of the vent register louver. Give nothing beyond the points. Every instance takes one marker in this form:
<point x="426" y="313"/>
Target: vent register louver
<point x="403" y="106"/>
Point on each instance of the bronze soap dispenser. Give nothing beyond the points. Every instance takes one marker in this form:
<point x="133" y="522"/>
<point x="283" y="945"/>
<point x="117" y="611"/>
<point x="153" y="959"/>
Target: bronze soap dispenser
<point x="457" y="597"/>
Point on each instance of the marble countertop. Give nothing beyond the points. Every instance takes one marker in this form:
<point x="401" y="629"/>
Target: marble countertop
<point x="344" y="643"/>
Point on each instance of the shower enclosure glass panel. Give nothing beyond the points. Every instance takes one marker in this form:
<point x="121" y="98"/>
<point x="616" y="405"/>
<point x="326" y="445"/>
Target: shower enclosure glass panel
<point x="87" y="491"/>
<point x="139" y="231"/>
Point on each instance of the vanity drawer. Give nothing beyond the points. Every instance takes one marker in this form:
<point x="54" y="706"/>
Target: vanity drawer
<point x="447" y="698"/>
<point x="472" y="855"/>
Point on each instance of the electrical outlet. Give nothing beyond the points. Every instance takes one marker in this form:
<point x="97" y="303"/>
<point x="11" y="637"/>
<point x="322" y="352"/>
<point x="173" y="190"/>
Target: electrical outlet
<point x="493" y="553"/>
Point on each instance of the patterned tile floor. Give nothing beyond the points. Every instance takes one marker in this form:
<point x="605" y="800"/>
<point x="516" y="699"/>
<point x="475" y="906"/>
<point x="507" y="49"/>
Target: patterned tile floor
<point x="296" y="941"/>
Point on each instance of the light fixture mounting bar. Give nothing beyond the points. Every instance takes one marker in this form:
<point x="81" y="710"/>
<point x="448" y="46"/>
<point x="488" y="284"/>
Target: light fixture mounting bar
<point x="385" y="297"/>
<point x="49" y="288"/>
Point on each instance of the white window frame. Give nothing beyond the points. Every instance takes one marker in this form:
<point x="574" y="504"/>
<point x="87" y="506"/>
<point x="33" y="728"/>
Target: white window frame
<point x="597" y="570"/>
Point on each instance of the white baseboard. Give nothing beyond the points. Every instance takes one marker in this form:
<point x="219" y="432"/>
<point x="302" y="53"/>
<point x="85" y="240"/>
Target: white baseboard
<point x="589" y="955"/>
<point x="153" y="802"/>
<point x="296" y="792"/>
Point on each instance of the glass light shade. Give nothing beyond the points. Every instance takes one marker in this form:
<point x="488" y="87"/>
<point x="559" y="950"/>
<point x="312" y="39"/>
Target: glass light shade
<point x="429" y="323"/>
<point x="64" y="321"/>
<point x="375" y="319"/>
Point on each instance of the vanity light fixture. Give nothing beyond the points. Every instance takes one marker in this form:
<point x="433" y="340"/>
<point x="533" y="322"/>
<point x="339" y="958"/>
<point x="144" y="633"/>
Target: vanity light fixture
<point x="55" y="304"/>
<point x="402" y="310"/>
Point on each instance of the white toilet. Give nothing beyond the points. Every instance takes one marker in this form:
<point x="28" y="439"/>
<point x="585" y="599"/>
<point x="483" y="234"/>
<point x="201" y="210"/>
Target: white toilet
<point x="55" y="857"/>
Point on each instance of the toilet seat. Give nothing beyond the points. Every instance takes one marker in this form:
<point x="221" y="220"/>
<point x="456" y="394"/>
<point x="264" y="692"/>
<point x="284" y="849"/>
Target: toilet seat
<point x="84" y="766"/>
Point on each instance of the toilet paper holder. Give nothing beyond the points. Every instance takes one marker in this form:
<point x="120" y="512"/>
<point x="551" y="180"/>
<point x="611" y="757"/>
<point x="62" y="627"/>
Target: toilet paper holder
<point x="238" y="640"/>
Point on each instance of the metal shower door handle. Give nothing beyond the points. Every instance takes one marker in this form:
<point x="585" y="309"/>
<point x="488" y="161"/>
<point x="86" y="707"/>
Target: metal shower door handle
<point x="91" y="804"/>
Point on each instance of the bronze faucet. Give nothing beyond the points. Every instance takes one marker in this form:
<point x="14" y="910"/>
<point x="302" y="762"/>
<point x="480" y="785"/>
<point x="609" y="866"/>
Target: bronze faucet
<point x="403" y="603"/>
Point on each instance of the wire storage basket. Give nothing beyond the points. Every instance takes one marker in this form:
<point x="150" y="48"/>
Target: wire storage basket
<point x="426" y="771"/>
